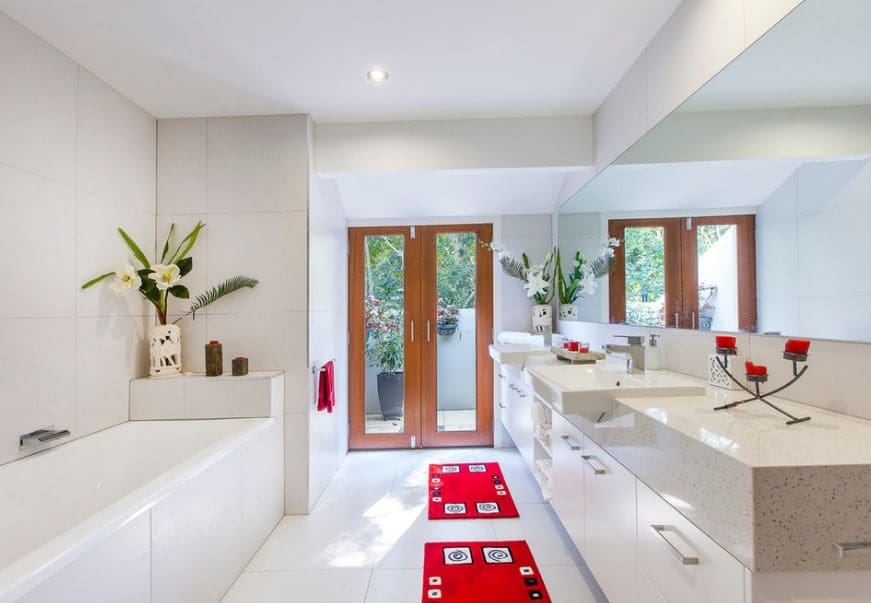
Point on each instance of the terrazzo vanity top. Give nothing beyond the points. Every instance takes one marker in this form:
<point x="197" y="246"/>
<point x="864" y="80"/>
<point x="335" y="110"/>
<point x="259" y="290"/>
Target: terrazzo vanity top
<point x="777" y="497"/>
<point x="757" y="435"/>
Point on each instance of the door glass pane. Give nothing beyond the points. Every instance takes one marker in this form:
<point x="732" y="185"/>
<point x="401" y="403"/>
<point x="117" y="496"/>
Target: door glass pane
<point x="384" y="301"/>
<point x="455" y="331"/>
<point x="645" y="275"/>
<point x="717" y="277"/>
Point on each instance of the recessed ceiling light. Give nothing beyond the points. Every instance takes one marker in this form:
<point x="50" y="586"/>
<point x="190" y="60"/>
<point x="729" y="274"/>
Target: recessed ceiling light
<point x="377" y="75"/>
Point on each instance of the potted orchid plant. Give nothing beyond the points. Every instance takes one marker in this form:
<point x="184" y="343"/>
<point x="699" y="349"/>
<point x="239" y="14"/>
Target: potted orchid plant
<point x="538" y="280"/>
<point x="157" y="282"/>
<point x="582" y="277"/>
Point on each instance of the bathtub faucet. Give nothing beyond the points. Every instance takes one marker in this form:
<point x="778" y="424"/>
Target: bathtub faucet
<point x="40" y="437"/>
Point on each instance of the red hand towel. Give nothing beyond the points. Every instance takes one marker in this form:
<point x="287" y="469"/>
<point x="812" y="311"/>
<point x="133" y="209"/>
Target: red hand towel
<point x="327" y="388"/>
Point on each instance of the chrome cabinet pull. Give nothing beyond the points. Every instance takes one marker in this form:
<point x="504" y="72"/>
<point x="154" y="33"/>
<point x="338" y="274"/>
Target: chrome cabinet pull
<point x="843" y="548"/>
<point x="587" y="461"/>
<point x="659" y="529"/>
<point x="571" y="442"/>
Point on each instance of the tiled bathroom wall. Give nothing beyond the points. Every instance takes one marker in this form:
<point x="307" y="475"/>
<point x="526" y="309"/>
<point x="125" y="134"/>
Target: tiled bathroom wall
<point x="76" y="162"/>
<point x="247" y="178"/>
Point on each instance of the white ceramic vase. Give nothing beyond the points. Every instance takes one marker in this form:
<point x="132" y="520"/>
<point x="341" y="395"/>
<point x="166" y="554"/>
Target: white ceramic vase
<point x="165" y="351"/>
<point x="568" y="312"/>
<point x="542" y="318"/>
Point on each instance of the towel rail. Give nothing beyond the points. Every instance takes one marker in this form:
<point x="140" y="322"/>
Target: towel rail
<point x="320" y="369"/>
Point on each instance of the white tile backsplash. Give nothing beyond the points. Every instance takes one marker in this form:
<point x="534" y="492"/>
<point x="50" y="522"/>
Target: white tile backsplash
<point x="257" y="164"/>
<point x="77" y="160"/>
<point x="37" y="244"/>
<point x="181" y="166"/>
<point x="116" y="146"/>
<point x="38" y="105"/>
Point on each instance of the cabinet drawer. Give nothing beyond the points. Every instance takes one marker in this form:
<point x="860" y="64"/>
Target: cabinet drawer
<point x="609" y="523"/>
<point x="567" y="443"/>
<point x="681" y="560"/>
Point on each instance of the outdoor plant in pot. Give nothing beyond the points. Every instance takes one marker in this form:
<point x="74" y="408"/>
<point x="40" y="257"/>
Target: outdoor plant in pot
<point x="447" y="318"/>
<point x="385" y="350"/>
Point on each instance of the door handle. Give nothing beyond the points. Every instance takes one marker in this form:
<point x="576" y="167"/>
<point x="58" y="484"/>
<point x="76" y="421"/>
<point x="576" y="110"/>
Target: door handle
<point x="677" y="320"/>
<point x="412" y="331"/>
<point x="587" y="461"/>
<point x="427" y="331"/>
<point x="502" y="405"/>
<point x="693" y="324"/>
<point x="571" y="442"/>
<point x="659" y="529"/>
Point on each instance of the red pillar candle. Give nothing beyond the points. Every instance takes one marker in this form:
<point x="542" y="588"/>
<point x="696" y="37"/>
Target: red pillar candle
<point x="727" y="342"/>
<point x="797" y="346"/>
<point x="755" y="369"/>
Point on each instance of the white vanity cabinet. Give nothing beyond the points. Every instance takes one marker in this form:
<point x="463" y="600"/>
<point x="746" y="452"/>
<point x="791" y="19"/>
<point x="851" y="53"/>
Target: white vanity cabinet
<point x="568" y="478"/>
<point x="609" y="523"/>
<point x="680" y="560"/>
<point x="515" y="409"/>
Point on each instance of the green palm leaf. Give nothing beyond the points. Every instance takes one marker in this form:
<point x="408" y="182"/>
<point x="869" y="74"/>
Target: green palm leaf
<point x="220" y="290"/>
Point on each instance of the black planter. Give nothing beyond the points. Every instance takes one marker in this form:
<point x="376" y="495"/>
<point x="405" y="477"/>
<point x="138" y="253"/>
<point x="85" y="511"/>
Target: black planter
<point x="391" y="395"/>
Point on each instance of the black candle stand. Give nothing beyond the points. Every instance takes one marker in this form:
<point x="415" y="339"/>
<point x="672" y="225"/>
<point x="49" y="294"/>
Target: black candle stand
<point x="757" y="380"/>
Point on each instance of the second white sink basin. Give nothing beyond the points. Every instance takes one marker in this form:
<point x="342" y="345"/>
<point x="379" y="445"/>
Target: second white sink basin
<point x="570" y="388"/>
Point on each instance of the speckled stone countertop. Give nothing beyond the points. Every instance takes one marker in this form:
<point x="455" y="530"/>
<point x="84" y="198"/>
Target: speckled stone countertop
<point x="777" y="497"/>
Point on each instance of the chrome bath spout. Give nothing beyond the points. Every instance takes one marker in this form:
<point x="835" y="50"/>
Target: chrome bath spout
<point x="40" y="437"/>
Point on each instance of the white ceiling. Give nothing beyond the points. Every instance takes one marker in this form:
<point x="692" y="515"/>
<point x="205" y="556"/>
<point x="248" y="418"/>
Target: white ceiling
<point x="682" y="186"/>
<point x="448" y="59"/>
<point x="416" y="195"/>
<point x="819" y="55"/>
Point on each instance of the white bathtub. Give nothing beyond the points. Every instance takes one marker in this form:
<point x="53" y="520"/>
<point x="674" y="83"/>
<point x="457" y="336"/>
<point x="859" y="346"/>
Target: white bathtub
<point x="145" y="511"/>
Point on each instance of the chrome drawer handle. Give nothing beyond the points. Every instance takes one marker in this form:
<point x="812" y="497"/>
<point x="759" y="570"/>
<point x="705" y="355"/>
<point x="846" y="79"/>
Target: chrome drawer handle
<point x="597" y="470"/>
<point x="846" y="547"/>
<point x="571" y="442"/>
<point x="521" y="394"/>
<point x="659" y="529"/>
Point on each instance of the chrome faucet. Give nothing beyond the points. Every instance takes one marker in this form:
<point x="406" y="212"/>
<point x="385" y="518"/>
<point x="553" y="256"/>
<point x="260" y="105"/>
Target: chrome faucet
<point x="40" y="437"/>
<point x="634" y="352"/>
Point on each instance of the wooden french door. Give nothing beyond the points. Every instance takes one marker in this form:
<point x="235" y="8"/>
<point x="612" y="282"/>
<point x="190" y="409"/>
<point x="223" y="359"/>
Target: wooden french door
<point x="690" y="273"/>
<point x="420" y="321"/>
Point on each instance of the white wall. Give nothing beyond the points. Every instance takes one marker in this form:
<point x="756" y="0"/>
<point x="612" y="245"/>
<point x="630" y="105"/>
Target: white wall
<point x="328" y="328"/>
<point x="813" y="279"/>
<point x="531" y="234"/>
<point x="700" y="38"/>
<point x="529" y="142"/>
<point x="76" y="162"/>
<point x="758" y="134"/>
<point x="248" y="179"/>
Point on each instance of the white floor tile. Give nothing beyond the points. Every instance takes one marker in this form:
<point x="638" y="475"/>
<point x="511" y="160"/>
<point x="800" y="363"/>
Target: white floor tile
<point x="372" y="520"/>
<point x="301" y="586"/>
<point x="395" y="586"/>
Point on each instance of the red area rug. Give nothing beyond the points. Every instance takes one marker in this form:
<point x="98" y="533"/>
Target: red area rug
<point x="481" y="572"/>
<point x="469" y="491"/>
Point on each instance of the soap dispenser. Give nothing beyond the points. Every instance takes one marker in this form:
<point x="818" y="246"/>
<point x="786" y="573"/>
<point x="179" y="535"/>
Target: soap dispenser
<point x="653" y="354"/>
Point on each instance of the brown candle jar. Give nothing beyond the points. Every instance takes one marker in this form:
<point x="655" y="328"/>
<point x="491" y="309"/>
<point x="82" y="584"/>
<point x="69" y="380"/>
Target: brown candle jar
<point x="214" y="359"/>
<point x="240" y="366"/>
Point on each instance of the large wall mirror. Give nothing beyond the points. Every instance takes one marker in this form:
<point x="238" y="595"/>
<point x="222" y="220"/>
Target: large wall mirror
<point x="749" y="207"/>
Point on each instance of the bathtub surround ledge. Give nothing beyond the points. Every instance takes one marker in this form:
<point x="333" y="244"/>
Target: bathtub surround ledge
<point x="196" y="396"/>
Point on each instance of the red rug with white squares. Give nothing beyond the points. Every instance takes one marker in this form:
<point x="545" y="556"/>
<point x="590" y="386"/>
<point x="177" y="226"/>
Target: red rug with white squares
<point x="481" y="572"/>
<point x="469" y="491"/>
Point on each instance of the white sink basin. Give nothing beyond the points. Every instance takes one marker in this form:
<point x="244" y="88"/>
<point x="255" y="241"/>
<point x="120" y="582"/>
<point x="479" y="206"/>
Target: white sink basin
<point x="584" y="388"/>
<point x="516" y="353"/>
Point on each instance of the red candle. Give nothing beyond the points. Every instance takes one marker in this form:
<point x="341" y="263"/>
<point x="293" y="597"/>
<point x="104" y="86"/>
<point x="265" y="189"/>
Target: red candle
<point x="727" y="341"/>
<point x="573" y="346"/>
<point x="797" y="346"/>
<point x="584" y="349"/>
<point x="567" y="344"/>
<point x="755" y="369"/>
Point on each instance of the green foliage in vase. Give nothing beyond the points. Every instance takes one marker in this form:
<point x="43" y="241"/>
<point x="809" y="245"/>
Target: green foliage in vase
<point x="157" y="281"/>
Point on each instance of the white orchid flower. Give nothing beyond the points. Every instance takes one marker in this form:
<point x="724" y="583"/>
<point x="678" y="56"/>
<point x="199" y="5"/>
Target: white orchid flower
<point x="535" y="284"/>
<point x="613" y="242"/>
<point x="165" y="276"/>
<point x="126" y="279"/>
